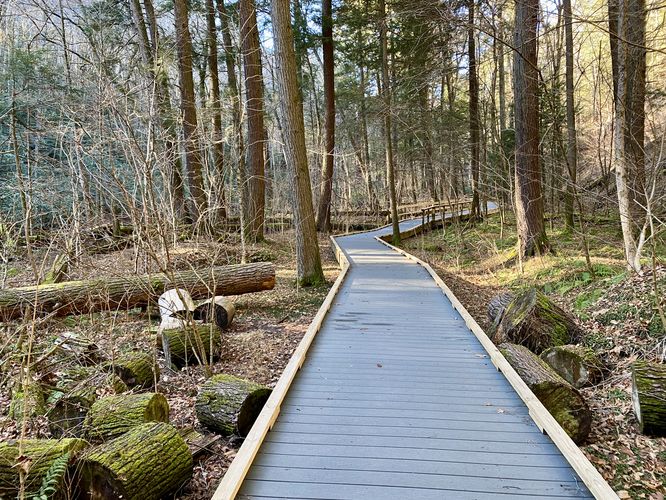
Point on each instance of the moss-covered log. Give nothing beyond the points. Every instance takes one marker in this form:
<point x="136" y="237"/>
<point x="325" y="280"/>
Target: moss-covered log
<point x="218" y="310"/>
<point x="562" y="400"/>
<point x="578" y="365"/>
<point x="136" y="369"/>
<point x="649" y="397"/>
<point x="35" y="455"/>
<point x="497" y="306"/>
<point x="27" y="400"/>
<point x="536" y="322"/>
<point x="80" y="297"/>
<point x="58" y="270"/>
<point x="112" y="416"/>
<point x="227" y="404"/>
<point x="192" y="343"/>
<point x="146" y="463"/>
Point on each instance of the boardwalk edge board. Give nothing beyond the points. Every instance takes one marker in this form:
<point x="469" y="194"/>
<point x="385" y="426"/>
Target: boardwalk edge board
<point x="233" y="478"/>
<point x="541" y="416"/>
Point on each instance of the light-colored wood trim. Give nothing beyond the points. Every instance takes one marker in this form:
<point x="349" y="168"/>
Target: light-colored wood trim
<point x="233" y="478"/>
<point x="541" y="416"/>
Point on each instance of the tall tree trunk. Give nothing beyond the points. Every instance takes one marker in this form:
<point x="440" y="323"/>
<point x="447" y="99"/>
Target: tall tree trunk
<point x="386" y="94"/>
<point x="572" y="147"/>
<point x="474" y="122"/>
<point x="630" y="126"/>
<point x="324" y="212"/>
<point x="193" y="156"/>
<point x="218" y="134"/>
<point x="501" y="70"/>
<point x="529" y="198"/>
<point x="307" y="248"/>
<point x="254" y="103"/>
<point x="374" y="203"/>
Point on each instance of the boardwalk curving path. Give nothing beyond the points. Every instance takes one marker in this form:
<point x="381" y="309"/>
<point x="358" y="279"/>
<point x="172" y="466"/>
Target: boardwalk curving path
<point x="397" y="399"/>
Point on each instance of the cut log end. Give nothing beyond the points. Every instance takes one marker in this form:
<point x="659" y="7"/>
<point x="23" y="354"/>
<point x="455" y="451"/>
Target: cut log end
<point x="578" y="365"/>
<point x="228" y="404"/>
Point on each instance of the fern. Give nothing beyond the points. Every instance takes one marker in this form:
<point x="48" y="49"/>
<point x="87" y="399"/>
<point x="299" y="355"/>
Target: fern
<point x="52" y="478"/>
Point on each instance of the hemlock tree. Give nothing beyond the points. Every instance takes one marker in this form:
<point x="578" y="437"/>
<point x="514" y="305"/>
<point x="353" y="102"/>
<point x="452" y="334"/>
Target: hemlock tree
<point x="193" y="157"/>
<point x="325" y="195"/>
<point x="532" y="239"/>
<point x="307" y="248"/>
<point x="474" y="121"/>
<point x="254" y="102"/>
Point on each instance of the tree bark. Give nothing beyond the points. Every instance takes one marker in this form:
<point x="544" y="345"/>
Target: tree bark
<point x="529" y="198"/>
<point x="193" y="157"/>
<point x="146" y="463"/>
<point x="578" y="365"/>
<point x="534" y="321"/>
<point x="80" y="297"/>
<point x="293" y="128"/>
<point x="111" y="416"/>
<point x="218" y="133"/>
<point x="189" y="343"/>
<point x="563" y="402"/>
<point x="228" y="404"/>
<point x="649" y="397"/>
<point x="136" y="369"/>
<point x="325" y="195"/>
<point x="254" y="103"/>
<point x="572" y="146"/>
<point x="388" y="128"/>
<point x="474" y="120"/>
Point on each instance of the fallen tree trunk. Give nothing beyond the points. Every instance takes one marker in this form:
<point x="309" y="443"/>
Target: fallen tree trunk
<point x="112" y="416"/>
<point x="146" y="463"/>
<point x="563" y="401"/>
<point x="136" y="369"/>
<point x="27" y="400"/>
<point x="228" y="404"/>
<point x="80" y="297"/>
<point x="39" y="456"/>
<point x="188" y="343"/>
<point x="536" y="322"/>
<point x="578" y="365"/>
<point x="648" y="394"/>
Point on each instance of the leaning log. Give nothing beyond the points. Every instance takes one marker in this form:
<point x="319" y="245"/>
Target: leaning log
<point x="563" y="401"/>
<point x="648" y="395"/>
<point x="111" y="416"/>
<point x="80" y="297"/>
<point x="577" y="364"/>
<point x="148" y="462"/>
<point x="38" y="456"/>
<point x="227" y="404"/>
<point x="536" y="322"/>
<point x="136" y="369"/>
<point x="188" y="343"/>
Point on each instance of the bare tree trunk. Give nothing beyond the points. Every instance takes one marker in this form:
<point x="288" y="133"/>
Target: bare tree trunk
<point x="474" y="122"/>
<point x="572" y="147"/>
<point x="386" y="94"/>
<point x="324" y="212"/>
<point x="218" y="134"/>
<point x="193" y="156"/>
<point x="254" y="103"/>
<point x="307" y="248"/>
<point x="529" y="198"/>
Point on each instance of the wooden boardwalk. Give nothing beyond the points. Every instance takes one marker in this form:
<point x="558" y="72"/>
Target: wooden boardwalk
<point x="398" y="399"/>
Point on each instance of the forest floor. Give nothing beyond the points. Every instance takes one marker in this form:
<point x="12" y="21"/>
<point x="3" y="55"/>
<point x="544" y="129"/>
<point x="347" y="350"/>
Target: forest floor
<point x="267" y="328"/>
<point x="616" y="310"/>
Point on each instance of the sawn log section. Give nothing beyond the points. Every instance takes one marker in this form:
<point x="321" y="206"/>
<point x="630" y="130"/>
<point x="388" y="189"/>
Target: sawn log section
<point x="398" y="397"/>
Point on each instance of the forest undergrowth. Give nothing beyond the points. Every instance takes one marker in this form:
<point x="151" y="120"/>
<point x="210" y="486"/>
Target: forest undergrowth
<point x="616" y="309"/>
<point x="267" y="328"/>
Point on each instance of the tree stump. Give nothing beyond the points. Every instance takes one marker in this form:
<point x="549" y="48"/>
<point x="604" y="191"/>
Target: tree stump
<point x="27" y="400"/>
<point x="36" y="454"/>
<point x="578" y="365"/>
<point x="218" y="310"/>
<point x="188" y="343"/>
<point x="536" y="322"/>
<point x="648" y="396"/>
<point x="228" y="404"/>
<point x="497" y="306"/>
<point x="146" y="463"/>
<point x="562" y="400"/>
<point x="112" y="416"/>
<point x="58" y="270"/>
<point x="136" y="369"/>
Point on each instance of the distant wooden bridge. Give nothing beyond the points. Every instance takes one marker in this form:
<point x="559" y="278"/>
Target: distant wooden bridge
<point x="395" y="392"/>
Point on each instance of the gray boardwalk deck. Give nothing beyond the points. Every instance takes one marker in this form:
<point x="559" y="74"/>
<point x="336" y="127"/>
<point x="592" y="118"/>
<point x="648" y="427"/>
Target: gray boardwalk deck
<point x="397" y="399"/>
